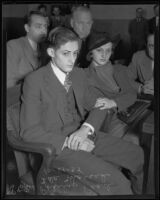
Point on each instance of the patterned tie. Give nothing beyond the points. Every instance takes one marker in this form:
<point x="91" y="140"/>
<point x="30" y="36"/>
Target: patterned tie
<point x="67" y="83"/>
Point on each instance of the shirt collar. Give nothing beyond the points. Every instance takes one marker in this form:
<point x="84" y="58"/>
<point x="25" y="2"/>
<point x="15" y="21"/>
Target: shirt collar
<point x="59" y="74"/>
<point x="32" y="44"/>
<point x="152" y="64"/>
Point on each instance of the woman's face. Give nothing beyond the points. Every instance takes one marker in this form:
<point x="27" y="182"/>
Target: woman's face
<point x="65" y="56"/>
<point x="102" y="54"/>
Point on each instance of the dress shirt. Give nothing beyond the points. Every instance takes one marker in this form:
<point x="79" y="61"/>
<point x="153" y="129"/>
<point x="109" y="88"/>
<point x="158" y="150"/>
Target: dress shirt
<point x="61" y="77"/>
<point x="157" y="20"/>
<point x="152" y="65"/>
<point x="33" y="45"/>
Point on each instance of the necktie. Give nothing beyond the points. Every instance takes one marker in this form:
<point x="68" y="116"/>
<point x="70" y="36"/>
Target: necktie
<point x="67" y="83"/>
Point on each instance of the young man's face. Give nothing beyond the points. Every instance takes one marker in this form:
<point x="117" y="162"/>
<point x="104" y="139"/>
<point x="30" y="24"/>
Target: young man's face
<point x="37" y="29"/>
<point x="102" y="54"/>
<point x="65" y="56"/>
<point x="150" y="46"/>
<point x="82" y="23"/>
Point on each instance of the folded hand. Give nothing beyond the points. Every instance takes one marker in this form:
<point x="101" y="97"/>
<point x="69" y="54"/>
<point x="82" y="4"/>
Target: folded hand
<point x="105" y="103"/>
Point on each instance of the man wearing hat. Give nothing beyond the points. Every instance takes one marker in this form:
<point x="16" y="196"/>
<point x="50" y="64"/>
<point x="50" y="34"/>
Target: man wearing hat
<point x="110" y="81"/>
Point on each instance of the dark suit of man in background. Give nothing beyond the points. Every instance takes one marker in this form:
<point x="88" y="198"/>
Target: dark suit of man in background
<point x="61" y="112"/>
<point x="154" y="21"/>
<point x="138" y="30"/>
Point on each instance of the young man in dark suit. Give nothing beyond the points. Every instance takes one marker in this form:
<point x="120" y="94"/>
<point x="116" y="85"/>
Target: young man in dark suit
<point x="58" y="109"/>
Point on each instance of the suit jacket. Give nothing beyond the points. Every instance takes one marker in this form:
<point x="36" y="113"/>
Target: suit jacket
<point x="21" y="60"/>
<point x="152" y="24"/>
<point x="42" y="116"/>
<point x="138" y="30"/>
<point x="124" y="98"/>
<point x="140" y="69"/>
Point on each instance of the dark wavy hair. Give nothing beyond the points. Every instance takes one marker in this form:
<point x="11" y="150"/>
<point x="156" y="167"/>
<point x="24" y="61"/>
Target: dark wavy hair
<point x="28" y="17"/>
<point x="60" y="36"/>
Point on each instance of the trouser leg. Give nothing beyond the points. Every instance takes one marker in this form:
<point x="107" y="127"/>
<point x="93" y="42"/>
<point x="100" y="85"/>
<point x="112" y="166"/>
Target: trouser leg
<point x="121" y="153"/>
<point x="22" y="162"/>
<point x="102" y="176"/>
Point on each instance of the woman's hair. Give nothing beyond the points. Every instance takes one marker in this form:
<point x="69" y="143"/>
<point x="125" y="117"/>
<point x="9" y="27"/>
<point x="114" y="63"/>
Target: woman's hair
<point x="60" y="36"/>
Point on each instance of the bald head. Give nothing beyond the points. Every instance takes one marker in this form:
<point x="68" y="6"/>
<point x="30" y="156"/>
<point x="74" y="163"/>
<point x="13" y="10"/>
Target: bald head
<point x="81" y="21"/>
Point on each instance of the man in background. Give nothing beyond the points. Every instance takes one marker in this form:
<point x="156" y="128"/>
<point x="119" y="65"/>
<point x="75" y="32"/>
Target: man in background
<point x="154" y="21"/>
<point x="81" y="22"/>
<point x="22" y="53"/>
<point x="138" y="30"/>
<point x="141" y="68"/>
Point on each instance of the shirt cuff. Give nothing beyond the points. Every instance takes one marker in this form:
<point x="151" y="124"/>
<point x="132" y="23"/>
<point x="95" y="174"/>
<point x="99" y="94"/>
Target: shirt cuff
<point x="90" y="126"/>
<point x="114" y="104"/>
<point x="140" y="89"/>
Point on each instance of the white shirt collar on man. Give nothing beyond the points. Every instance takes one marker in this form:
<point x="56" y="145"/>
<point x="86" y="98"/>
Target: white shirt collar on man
<point x="33" y="44"/>
<point x="152" y="65"/>
<point x="60" y="75"/>
<point x="157" y="20"/>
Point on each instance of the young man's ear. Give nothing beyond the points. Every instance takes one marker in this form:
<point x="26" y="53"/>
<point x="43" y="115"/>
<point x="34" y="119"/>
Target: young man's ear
<point x="26" y="27"/>
<point x="51" y="52"/>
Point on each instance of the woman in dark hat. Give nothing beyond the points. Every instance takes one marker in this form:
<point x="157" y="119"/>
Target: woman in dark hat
<point x="110" y="81"/>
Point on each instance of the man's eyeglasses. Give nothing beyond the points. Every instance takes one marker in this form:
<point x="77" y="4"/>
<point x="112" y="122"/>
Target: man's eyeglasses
<point x="151" y="46"/>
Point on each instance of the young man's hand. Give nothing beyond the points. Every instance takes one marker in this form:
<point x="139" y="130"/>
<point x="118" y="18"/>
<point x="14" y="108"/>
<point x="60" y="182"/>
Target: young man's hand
<point x="77" y="138"/>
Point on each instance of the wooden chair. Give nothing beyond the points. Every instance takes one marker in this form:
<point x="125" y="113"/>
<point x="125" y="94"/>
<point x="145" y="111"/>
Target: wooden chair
<point x="17" y="143"/>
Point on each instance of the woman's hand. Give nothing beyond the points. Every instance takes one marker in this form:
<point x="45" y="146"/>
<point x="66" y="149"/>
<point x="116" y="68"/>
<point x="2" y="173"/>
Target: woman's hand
<point x="105" y="103"/>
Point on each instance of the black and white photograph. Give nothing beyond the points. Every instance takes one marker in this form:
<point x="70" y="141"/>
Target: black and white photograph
<point x="81" y="113"/>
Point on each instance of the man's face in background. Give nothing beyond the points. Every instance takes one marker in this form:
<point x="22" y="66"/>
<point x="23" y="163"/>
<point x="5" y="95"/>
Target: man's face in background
<point x="82" y="23"/>
<point x="37" y="28"/>
<point x="139" y="13"/>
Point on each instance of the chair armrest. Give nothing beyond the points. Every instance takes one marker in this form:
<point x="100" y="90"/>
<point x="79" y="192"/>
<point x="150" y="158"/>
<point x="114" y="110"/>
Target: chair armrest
<point x="18" y="143"/>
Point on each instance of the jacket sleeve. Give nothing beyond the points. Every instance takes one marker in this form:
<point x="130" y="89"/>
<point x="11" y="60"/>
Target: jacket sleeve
<point x="13" y="58"/>
<point x="95" y="116"/>
<point x="127" y="95"/>
<point x="132" y="72"/>
<point x="31" y="123"/>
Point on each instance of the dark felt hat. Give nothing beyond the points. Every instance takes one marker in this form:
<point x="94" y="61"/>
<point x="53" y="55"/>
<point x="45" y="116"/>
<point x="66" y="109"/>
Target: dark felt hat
<point x="98" y="39"/>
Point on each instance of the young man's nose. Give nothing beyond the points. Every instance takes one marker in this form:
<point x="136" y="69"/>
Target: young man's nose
<point x="72" y="59"/>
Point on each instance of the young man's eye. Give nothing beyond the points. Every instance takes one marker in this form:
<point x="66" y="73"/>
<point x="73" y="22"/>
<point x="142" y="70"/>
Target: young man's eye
<point x="66" y="53"/>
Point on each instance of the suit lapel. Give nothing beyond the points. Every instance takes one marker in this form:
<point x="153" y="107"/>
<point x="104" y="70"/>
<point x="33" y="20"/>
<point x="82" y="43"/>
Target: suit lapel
<point x="55" y="90"/>
<point x="78" y="90"/>
<point x="30" y="54"/>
